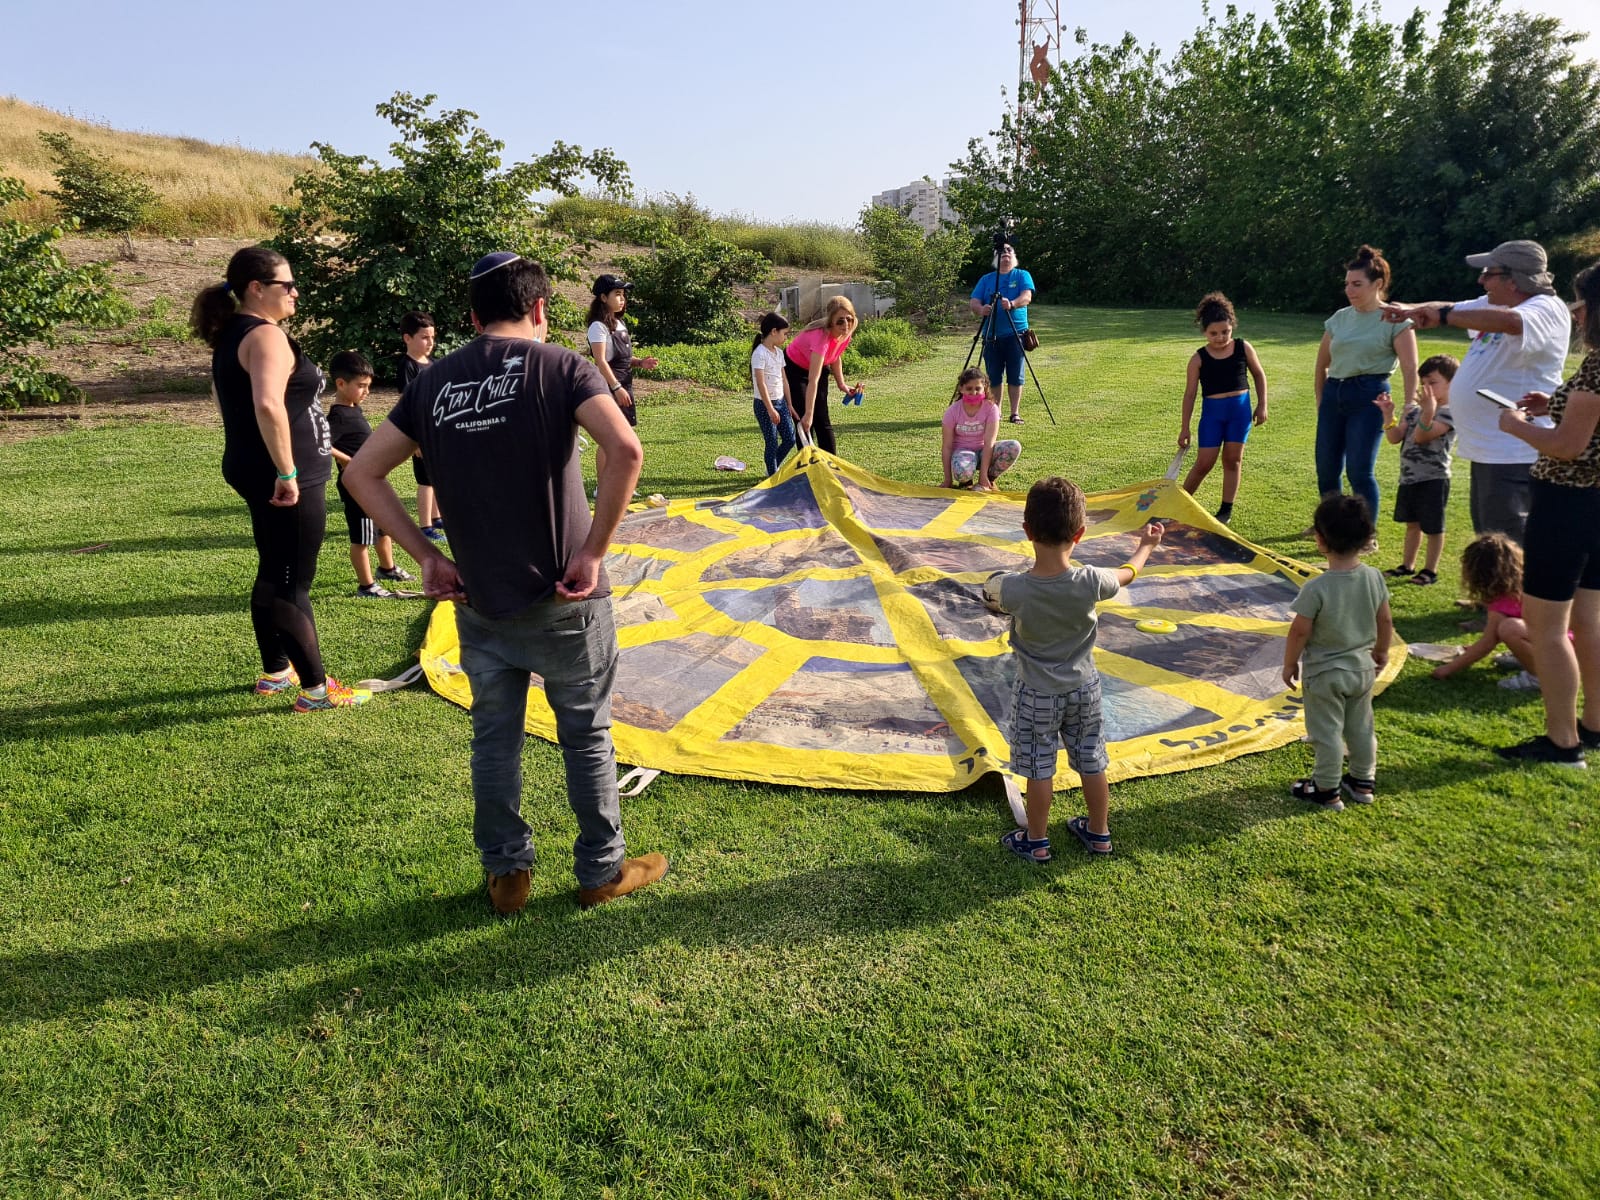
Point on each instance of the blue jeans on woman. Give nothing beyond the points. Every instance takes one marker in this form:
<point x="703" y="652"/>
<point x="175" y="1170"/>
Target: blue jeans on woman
<point x="1349" y="431"/>
<point x="779" y="438"/>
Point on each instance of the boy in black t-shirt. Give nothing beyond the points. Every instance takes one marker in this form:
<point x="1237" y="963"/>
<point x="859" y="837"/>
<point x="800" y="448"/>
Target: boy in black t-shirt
<point x="348" y="429"/>
<point x="417" y="334"/>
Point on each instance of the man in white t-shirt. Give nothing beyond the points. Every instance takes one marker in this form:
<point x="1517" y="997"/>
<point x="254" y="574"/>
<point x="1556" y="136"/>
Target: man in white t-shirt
<point x="1521" y="333"/>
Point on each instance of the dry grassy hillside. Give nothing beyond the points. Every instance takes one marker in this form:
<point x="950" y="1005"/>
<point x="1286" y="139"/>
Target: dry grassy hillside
<point x="204" y="188"/>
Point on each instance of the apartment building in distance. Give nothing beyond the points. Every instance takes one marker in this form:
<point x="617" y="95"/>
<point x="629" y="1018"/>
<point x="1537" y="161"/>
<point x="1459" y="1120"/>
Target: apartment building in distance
<point x="925" y="199"/>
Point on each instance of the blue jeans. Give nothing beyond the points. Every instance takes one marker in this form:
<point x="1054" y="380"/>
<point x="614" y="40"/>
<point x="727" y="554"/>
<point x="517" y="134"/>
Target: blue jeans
<point x="779" y="438"/>
<point x="1349" y="431"/>
<point x="573" y="647"/>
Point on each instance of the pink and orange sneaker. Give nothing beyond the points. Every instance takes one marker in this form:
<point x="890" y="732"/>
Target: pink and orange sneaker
<point x="339" y="696"/>
<point x="271" y="685"/>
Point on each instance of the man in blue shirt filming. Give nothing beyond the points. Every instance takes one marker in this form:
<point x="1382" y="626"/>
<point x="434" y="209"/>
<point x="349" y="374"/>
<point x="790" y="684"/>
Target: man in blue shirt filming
<point x="1001" y="299"/>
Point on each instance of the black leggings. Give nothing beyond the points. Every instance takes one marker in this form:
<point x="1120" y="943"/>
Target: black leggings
<point x="821" y="425"/>
<point x="287" y="543"/>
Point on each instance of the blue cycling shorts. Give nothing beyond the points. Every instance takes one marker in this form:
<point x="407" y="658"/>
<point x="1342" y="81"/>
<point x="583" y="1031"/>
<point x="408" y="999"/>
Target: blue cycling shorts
<point x="1225" y="420"/>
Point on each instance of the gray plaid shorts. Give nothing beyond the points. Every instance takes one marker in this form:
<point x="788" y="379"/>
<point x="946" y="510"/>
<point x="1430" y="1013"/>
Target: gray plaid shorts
<point x="1042" y="722"/>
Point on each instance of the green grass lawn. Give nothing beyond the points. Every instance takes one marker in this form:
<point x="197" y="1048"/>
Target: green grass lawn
<point x="248" y="954"/>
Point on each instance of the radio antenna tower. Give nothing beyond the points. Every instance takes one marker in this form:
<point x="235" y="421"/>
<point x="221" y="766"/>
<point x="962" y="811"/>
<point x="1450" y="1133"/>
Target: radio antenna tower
<point x="1039" y="52"/>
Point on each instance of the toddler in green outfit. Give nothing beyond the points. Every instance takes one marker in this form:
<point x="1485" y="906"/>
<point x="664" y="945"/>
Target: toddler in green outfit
<point x="1343" y="627"/>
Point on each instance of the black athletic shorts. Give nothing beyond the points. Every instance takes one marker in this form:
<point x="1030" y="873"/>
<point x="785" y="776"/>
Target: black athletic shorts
<point x="419" y="471"/>
<point x="363" y="532"/>
<point x="1423" y="502"/>
<point x="1561" y="546"/>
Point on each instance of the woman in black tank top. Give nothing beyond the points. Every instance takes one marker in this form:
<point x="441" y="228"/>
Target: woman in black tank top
<point x="276" y="455"/>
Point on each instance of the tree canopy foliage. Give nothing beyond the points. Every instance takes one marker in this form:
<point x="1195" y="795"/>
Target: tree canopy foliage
<point x="1266" y="150"/>
<point x="922" y="268"/>
<point x="686" y="289"/>
<point x="369" y="243"/>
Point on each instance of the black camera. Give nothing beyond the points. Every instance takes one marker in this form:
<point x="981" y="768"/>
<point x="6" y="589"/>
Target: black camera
<point x="1002" y="238"/>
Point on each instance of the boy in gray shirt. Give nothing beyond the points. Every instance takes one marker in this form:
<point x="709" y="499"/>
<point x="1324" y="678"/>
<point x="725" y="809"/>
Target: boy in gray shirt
<point x="1425" y="432"/>
<point x="1057" y="694"/>
<point x="1343" y="627"/>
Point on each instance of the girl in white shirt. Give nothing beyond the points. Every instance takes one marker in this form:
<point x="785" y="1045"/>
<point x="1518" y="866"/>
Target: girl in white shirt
<point x="773" y="413"/>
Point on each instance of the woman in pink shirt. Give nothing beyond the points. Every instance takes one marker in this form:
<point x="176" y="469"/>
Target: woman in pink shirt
<point x="808" y="361"/>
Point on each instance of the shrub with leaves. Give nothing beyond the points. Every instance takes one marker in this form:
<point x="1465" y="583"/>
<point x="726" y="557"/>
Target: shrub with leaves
<point x="921" y="268"/>
<point x="369" y="243"/>
<point x="90" y="189"/>
<point x="39" y="291"/>
<point x="685" y="291"/>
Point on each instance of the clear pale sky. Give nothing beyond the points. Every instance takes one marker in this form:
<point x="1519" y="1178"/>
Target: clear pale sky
<point x="777" y="111"/>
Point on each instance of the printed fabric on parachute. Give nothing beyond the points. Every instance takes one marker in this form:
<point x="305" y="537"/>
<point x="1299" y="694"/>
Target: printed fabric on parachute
<point x="826" y="628"/>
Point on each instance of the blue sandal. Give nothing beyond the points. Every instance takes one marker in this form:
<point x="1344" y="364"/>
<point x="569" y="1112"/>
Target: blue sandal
<point x="1094" y="843"/>
<point x="1018" y="842"/>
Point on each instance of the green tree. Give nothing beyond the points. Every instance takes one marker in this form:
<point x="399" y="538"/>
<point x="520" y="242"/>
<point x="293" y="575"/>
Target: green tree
<point x="1267" y="149"/>
<point x="921" y="268"/>
<point x="687" y="288"/>
<point x="369" y="243"/>
<point x="39" y="291"/>
<point x="100" y="196"/>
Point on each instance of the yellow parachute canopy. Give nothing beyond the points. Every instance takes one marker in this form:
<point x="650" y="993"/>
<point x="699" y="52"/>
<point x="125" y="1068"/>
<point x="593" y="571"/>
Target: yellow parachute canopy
<point x="826" y="628"/>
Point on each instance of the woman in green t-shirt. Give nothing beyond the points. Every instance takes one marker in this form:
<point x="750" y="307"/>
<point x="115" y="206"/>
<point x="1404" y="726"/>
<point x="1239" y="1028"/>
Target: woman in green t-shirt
<point x="1359" y="352"/>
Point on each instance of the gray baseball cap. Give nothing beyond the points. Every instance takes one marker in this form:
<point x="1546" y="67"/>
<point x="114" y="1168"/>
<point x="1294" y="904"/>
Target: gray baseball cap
<point x="1527" y="262"/>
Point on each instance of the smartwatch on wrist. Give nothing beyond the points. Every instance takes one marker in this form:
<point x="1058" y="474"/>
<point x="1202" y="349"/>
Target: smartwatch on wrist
<point x="1444" y="313"/>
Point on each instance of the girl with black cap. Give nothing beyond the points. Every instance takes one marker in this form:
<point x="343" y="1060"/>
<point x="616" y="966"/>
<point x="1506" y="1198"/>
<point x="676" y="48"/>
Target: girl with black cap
<point x="611" y="345"/>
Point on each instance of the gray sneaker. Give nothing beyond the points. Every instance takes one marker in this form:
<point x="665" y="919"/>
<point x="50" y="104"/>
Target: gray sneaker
<point x="1522" y="681"/>
<point x="395" y="574"/>
<point x="1508" y="660"/>
<point x="372" y="591"/>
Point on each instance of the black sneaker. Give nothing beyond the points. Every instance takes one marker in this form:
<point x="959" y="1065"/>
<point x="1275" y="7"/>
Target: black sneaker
<point x="395" y="574"/>
<point x="1542" y="750"/>
<point x="1588" y="738"/>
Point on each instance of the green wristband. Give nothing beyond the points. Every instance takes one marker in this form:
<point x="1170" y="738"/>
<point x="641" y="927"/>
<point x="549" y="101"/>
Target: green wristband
<point x="291" y="475"/>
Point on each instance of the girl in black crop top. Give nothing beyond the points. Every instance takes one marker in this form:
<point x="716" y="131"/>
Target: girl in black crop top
<point x="1220" y="371"/>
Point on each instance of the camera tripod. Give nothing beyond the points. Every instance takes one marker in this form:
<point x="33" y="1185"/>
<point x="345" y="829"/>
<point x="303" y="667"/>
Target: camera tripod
<point x="991" y="323"/>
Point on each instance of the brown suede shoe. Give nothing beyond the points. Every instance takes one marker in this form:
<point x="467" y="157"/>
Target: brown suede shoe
<point x="509" y="892"/>
<point x="635" y="874"/>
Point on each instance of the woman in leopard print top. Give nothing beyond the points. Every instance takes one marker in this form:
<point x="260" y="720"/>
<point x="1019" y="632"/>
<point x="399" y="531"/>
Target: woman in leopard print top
<point x="1561" y="549"/>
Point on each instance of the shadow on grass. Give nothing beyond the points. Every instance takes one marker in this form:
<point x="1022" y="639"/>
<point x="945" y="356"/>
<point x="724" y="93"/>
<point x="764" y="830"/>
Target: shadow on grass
<point x="551" y="938"/>
<point x="21" y="613"/>
<point x="126" y="713"/>
<point x="958" y="868"/>
<point x="176" y="544"/>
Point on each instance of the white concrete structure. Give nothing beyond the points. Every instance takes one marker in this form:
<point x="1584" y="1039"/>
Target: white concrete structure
<point x="926" y="200"/>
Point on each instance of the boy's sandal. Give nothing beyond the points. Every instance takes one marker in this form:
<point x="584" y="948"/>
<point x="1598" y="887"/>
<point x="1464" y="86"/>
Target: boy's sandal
<point x="1307" y="789"/>
<point x="1018" y="842"/>
<point x="1361" y="791"/>
<point x="1094" y="843"/>
<point x="1400" y="572"/>
<point x="1424" y="577"/>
